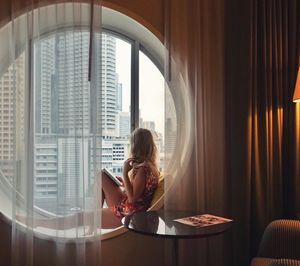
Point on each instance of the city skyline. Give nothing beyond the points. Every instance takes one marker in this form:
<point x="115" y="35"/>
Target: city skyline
<point x="64" y="150"/>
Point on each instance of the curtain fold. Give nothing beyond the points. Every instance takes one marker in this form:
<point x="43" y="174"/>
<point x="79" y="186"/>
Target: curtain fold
<point x="53" y="133"/>
<point x="261" y="118"/>
<point x="275" y="53"/>
<point x="194" y="38"/>
<point x="237" y="62"/>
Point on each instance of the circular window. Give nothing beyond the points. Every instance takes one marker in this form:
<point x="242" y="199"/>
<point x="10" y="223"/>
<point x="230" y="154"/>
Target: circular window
<point x="52" y="140"/>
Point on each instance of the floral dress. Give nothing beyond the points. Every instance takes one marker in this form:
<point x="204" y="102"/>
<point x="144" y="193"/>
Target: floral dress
<point x="124" y="208"/>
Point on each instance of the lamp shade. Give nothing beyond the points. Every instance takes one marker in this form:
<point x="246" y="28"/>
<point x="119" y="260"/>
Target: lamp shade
<point x="296" y="97"/>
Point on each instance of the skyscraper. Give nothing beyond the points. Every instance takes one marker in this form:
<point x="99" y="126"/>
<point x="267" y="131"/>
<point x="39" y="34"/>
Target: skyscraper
<point x="124" y="124"/>
<point x="62" y="84"/>
<point x="149" y="125"/>
<point x="12" y="100"/>
<point x="110" y="89"/>
<point x="119" y="91"/>
<point x="44" y="82"/>
<point x="63" y="113"/>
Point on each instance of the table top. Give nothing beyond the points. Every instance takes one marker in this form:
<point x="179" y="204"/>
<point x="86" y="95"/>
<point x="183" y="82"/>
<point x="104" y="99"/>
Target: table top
<point x="161" y="224"/>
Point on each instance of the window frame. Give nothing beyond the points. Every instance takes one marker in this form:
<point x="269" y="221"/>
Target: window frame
<point x="136" y="46"/>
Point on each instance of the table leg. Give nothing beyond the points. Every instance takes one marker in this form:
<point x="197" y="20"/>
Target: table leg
<point x="175" y="252"/>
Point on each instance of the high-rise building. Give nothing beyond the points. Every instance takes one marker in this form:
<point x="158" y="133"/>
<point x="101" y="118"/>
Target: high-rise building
<point x="62" y="84"/>
<point x="63" y="113"/>
<point x="46" y="181"/>
<point x="123" y="124"/>
<point x="44" y="84"/>
<point x="119" y="96"/>
<point x="63" y="153"/>
<point x="71" y="86"/>
<point x="114" y="152"/>
<point x="73" y="169"/>
<point x="109" y="86"/>
<point x="12" y="100"/>
<point x="149" y="125"/>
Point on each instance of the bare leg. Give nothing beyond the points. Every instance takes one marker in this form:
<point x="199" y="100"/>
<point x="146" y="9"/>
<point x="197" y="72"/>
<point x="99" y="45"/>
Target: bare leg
<point x="110" y="192"/>
<point x="113" y="195"/>
<point x="109" y="219"/>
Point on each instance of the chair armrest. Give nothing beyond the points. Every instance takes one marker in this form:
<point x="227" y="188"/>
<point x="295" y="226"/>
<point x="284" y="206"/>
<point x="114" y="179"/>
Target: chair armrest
<point x="281" y="240"/>
<point x="285" y="262"/>
<point x="261" y="261"/>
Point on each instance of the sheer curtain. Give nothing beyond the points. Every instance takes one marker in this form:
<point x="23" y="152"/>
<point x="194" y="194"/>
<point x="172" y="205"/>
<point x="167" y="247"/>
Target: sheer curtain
<point x="194" y="72"/>
<point x="54" y="132"/>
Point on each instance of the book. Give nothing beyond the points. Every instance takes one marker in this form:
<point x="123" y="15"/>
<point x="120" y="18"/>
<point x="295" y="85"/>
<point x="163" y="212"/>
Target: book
<point x="203" y="220"/>
<point x="112" y="177"/>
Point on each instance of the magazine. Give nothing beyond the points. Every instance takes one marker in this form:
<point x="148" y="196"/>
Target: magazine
<point x="203" y="220"/>
<point x="112" y="177"/>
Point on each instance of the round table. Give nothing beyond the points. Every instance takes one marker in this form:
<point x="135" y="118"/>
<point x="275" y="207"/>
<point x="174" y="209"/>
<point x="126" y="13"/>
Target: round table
<point x="161" y="224"/>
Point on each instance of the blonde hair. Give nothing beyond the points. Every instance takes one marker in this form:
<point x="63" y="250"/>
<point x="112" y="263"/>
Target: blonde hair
<point x="142" y="146"/>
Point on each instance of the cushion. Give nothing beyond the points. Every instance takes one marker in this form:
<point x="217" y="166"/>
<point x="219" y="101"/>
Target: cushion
<point x="159" y="190"/>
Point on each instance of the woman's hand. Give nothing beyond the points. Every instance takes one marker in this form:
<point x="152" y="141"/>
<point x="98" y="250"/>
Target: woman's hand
<point x="127" y="166"/>
<point x="120" y="179"/>
<point x="134" y="189"/>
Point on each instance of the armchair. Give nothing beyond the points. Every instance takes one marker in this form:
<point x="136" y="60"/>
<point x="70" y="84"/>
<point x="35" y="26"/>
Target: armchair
<point x="280" y="244"/>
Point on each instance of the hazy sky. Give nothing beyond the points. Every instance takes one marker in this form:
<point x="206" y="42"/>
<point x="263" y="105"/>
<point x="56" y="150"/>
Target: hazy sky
<point x="151" y="85"/>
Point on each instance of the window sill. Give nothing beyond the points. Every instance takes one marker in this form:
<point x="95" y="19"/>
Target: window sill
<point x="69" y="234"/>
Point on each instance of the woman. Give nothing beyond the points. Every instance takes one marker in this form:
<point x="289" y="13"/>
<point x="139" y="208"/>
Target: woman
<point x="140" y="180"/>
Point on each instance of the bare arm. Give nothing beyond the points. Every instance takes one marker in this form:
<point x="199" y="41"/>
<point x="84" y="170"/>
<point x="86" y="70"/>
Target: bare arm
<point x="135" y="189"/>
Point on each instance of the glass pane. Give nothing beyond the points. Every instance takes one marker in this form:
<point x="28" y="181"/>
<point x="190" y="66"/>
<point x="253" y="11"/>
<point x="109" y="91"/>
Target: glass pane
<point x="151" y="101"/>
<point x="116" y="82"/>
<point x="64" y="163"/>
<point x="12" y="104"/>
<point x="63" y="135"/>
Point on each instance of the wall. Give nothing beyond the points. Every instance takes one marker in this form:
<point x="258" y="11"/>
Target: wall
<point x="148" y="13"/>
<point x="123" y="250"/>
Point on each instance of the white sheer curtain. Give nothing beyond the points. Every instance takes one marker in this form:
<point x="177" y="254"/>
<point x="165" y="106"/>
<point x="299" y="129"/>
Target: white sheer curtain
<point x="53" y="132"/>
<point x="195" y="74"/>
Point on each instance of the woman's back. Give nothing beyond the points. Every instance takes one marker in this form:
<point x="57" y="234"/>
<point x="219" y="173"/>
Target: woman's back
<point x="151" y="175"/>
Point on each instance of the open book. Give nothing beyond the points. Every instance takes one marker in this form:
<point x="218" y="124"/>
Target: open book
<point x="203" y="220"/>
<point x="112" y="177"/>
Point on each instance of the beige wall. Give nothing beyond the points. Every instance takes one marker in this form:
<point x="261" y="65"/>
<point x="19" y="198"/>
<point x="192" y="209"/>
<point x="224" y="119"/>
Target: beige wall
<point x="148" y="13"/>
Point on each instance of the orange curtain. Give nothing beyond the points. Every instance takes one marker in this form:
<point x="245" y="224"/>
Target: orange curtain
<point x="238" y="62"/>
<point x="262" y="58"/>
<point x="274" y="125"/>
